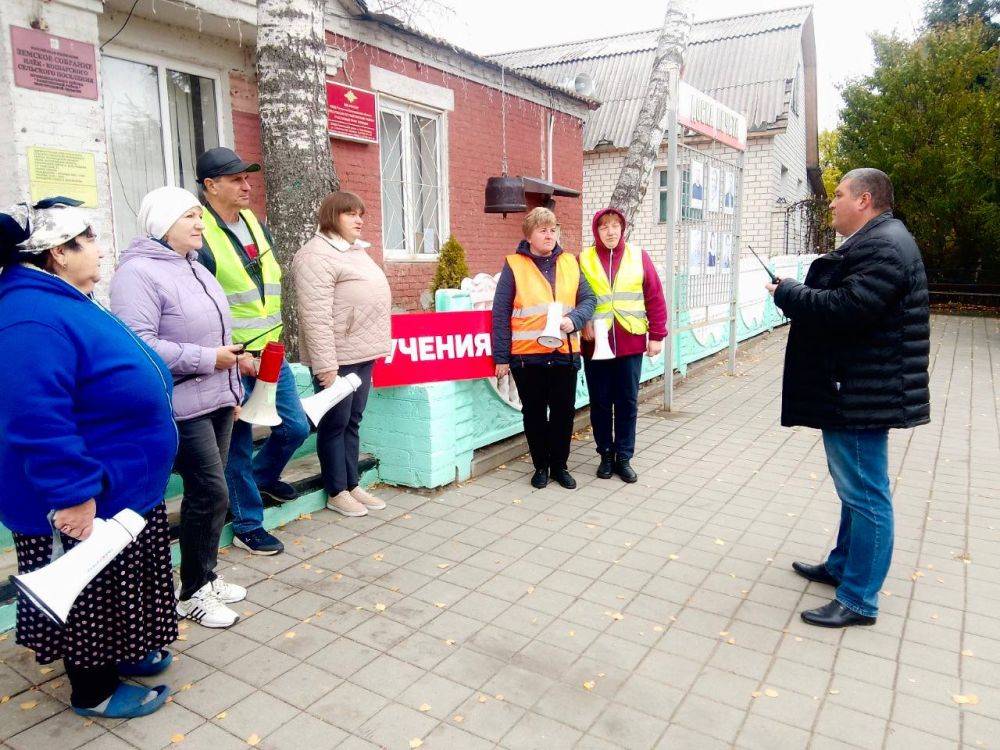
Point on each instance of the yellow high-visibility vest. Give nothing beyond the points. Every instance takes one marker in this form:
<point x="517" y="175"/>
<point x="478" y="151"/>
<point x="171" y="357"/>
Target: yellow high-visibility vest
<point x="624" y="300"/>
<point x="532" y="297"/>
<point x="253" y="314"/>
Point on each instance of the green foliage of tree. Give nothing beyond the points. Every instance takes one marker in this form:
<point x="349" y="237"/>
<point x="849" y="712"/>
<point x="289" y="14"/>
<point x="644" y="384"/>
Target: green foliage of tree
<point x="827" y="155"/>
<point x="451" y="268"/>
<point x="939" y="13"/>
<point x="929" y="116"/>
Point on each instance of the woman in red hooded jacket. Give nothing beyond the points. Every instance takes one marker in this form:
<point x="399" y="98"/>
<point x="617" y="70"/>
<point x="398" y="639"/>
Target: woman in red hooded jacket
<point x="631" y="305"/>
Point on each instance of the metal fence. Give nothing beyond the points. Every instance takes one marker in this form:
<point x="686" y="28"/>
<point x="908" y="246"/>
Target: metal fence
<point x="804" y="228"/>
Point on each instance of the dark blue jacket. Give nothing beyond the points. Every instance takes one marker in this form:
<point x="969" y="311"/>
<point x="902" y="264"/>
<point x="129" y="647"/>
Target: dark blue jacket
<point x="503" y="306"/>
<point x="84" y="406"/>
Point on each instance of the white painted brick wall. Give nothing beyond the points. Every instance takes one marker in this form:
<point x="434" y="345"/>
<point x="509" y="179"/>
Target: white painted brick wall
<point x="50" y="120"/>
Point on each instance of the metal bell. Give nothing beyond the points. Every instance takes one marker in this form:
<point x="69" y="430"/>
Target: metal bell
<point x="505" y="195"/>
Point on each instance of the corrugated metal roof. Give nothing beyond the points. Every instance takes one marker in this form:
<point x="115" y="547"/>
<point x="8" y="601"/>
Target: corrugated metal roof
<point x="743" y="61"/>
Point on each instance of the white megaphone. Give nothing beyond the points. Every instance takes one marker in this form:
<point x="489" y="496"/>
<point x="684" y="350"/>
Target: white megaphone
<point x="552" y="336"/>
<point x="602" y="346"/>
<point x="316" y="406"/>
<point x="260" y="408"/>
<point x="54" y="588"/>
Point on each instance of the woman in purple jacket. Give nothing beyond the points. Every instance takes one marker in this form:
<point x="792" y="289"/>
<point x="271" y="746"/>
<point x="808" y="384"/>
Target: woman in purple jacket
<point x="177" y="307"/>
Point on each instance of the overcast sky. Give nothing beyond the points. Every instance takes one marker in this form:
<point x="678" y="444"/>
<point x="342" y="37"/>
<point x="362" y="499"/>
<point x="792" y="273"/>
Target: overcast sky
<point x="842" y="28"/>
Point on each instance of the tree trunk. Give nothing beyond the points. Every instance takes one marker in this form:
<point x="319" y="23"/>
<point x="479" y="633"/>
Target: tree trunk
<point x="649" y="127"/>
<point x="298" y="166"/>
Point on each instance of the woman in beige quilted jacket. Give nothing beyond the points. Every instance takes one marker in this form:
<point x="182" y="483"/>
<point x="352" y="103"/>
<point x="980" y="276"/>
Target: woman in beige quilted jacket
<point x="344" y="312"/>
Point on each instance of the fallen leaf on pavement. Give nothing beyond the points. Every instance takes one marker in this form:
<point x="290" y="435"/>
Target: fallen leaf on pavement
<point x="483" y="699"/>
<point x="443" y="565"/>
<point x="379" y="607"/>
<point x="458" y="718"/>
<point x="425" y="707"/>
<point x="962" y="700"/>
<point x="967" y="652"/>
<point x="589" y="685"/>
<point x="756" y="694"/>
<point x="440" y="605"/>
<point x="378" y="556"/>
<point x="253" y="740"/>
<point x="771" y="693"/>
<point x="719" y="542"/>
<point x="175" y="738"/>
<point x="290" y="634"/>
<point x="415" y="743"/>
<point x="28" y="705"/>
<point x="221" y="716"/>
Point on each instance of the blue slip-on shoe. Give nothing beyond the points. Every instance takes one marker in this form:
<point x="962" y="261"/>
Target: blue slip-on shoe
<point x="258" y="542"/>
<point x="149" y="666"/>
<point x="126" y="702"/>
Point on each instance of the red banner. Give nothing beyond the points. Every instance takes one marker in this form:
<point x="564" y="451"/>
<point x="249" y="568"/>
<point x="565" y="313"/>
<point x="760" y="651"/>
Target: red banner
<point x="351" y="113"/>
<point x="434" y="347"/>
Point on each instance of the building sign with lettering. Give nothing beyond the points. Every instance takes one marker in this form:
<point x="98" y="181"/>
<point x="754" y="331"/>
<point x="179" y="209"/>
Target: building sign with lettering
<point x="352" y="114"/>
<point x="703" y="114"/>
<point x="43" y="62"/>
<point x="52" y="171"/>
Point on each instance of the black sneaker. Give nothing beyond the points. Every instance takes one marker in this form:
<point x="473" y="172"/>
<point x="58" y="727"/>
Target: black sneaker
<point x="258" y="542"/>
<point x="607" y="466"/>
<point x="281" y="492"/>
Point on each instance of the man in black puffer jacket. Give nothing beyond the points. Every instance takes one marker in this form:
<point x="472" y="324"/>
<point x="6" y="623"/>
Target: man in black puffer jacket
<point x="856" y="366"/>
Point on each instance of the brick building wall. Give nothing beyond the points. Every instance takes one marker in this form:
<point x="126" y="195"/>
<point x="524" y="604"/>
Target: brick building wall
<point x="474" y="143"/>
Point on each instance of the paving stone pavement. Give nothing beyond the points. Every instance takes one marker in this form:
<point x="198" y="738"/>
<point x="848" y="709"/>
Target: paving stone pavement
<point x="657" y="615"/>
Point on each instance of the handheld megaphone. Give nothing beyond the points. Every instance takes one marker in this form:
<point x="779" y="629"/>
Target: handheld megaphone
<point x="552" y="337"/>
<point x="316" y="406"/>
<point x="260" y="407"/>
<point x="54" y="588"/>
<point x="602" y="346"/>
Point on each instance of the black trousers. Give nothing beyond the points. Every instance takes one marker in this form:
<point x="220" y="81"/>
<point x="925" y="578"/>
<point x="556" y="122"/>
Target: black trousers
<point x="614" y="402"/>
<point x="338" y="441"/>
<point x="548" y="400"/>
<point x="201" y="462"/>
<point x="91" y="685"/>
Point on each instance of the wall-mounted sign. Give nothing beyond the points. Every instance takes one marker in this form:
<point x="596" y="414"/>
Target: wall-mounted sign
<point x="352" y="114"/>
<point x="438" y="346"/>
<point x="52" y="171"/>
<point x="703" y="114"/>
<point x="43" y="62"/>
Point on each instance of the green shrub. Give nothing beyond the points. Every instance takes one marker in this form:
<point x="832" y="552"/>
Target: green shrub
<point x="451" y="268"/>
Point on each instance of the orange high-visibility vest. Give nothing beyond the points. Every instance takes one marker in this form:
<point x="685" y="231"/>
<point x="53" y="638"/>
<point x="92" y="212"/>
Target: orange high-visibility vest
<point x="532" y="297"/>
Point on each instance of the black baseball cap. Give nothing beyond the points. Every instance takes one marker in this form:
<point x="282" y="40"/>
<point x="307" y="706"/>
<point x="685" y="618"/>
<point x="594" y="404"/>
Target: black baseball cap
<point x="221" y="161"/>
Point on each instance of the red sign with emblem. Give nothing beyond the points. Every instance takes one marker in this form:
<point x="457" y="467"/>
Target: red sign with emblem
<point x="351" y="113"/>
<point x="43" y="62"/>
<point x="434" y="347"/>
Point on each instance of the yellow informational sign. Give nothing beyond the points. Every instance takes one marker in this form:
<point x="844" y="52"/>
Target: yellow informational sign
<point x="52" y="171"/>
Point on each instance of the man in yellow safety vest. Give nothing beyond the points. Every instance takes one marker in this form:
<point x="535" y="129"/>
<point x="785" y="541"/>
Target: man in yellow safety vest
<point x="238" y="250"/>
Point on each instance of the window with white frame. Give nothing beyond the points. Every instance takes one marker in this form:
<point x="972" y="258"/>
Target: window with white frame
<point x="158" y="120"/>
<point x="662" y="182"/>
<point x="412" y="187"/>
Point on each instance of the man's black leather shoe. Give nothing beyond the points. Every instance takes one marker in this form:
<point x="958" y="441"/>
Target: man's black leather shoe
<point x="564" y="478"/>
<point x="625" y="471"/>
<point x="607" y="466"/>
<point x="835" y="615"/>
<point x="817" y="573"/>
<point x="540" y="478"/>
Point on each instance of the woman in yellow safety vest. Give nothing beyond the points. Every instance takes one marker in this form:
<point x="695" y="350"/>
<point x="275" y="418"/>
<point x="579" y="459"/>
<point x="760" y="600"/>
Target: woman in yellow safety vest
<point x="533" y="279"/>
<point x="630" y="319"/>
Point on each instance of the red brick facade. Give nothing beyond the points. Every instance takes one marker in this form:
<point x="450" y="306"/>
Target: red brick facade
<point x="474" y="143"/>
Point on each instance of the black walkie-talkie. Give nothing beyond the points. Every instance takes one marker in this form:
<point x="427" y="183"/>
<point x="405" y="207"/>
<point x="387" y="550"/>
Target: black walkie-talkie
<point x="774" y="279"/>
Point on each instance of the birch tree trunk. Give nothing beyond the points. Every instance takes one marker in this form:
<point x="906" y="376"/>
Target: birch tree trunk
<point x="649" y="127"/>
<point x="298" y="165"/>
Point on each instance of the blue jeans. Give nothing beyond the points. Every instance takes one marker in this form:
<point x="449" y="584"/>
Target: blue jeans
<point x="859" y="464"/>
<point x="245" y="471"/>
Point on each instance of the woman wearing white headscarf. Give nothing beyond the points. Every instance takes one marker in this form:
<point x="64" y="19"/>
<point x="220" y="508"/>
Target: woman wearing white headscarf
<point x="178" y="308"/>
<point x="87" y="432"/>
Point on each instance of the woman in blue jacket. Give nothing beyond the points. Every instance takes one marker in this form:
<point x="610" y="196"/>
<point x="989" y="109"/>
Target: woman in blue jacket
<point x="88" y="432"/>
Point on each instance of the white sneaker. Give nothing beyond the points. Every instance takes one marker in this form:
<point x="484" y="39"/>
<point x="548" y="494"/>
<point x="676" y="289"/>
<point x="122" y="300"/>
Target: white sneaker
<point x="205" y="609"/>
<point x="225" y="592"/>
<point x="367" y="499"/>
<point x="344" y="502"/>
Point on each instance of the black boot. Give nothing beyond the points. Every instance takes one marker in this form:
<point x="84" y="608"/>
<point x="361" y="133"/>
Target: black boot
<point x="540" y="478"/>
<point x="564" y="478"/>
<point x="607" y="466"/>
<point x="625" y="471"/>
